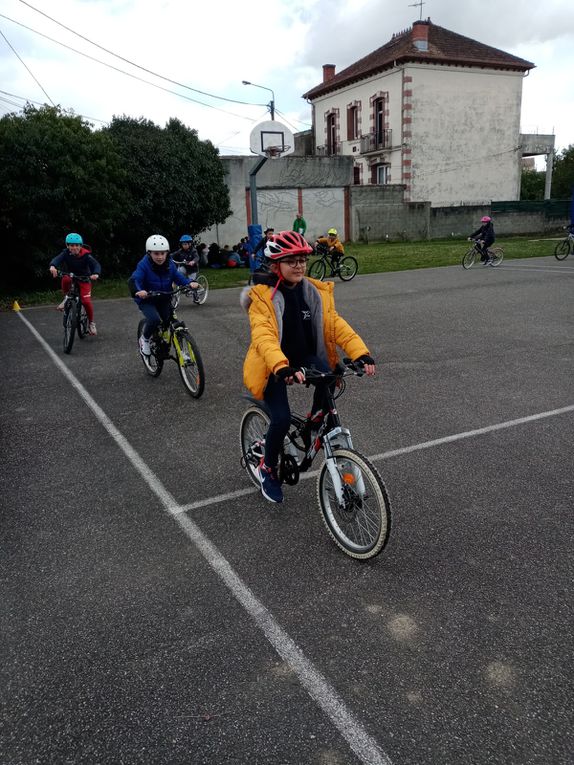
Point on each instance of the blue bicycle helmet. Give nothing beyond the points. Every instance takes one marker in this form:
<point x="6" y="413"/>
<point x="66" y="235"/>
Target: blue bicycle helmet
<point x="186" y="238"/>
<point x="74" y="239"/>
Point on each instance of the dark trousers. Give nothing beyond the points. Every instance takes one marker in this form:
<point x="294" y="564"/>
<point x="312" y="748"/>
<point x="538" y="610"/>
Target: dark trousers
<point x="155" y="312"/>
<point x="276" y="398"/>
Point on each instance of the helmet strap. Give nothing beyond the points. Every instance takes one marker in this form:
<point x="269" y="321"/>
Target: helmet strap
<point x="279" y="280"/>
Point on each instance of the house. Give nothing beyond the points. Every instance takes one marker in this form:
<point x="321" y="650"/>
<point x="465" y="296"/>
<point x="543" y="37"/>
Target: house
<point x="431" y="110"/>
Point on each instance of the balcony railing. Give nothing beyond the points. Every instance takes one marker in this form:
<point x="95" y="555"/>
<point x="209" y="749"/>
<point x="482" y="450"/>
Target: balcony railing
<point x="376" y="141"/>
<point x="329" y="151"/>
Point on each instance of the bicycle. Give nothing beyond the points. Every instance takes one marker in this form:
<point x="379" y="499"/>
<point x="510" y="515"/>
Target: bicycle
<point x="198" y="294"/>
<point x="75" y="318"/>
<point x="345" y="267"/>
<point x="352" y="497"/>
<point x="174" y="336"/>
<point x="496" y="255"/>
<point x="565" y="247"/>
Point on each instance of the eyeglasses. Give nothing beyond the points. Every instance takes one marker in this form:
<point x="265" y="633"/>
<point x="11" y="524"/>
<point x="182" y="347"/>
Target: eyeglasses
<point x="294" y="262"/>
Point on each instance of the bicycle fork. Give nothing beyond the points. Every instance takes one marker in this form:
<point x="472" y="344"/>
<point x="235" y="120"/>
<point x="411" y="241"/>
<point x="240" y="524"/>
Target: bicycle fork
<point x="341" y="438"/>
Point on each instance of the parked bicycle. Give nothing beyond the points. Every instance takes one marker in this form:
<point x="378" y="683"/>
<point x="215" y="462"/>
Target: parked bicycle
<point x="197" y="295"/>
<point x="565" y="247"/>
<point x="352" y="497"/>
<point x="344" y="267"/>
<point x="75" y="318"/>
<point x="174" y="341"/>
<point x="495" y="255"/>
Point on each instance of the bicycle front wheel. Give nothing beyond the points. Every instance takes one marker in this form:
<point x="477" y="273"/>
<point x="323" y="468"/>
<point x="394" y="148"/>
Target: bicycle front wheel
<point x="154" y="362"/>
<point x="562" y="249"/>
<point x="348" y="268"/>
<point x="469" y="258"/>
<point x="190" y="364"/>
<point x="202" y="291"/>
<point x="252" y="430"/>
<point x="497" y="256"/>
<point x="82" y="322"/>
<point x="70" y="324"/>
<point x="317" y="270"/>
<point x="354" y="504"/>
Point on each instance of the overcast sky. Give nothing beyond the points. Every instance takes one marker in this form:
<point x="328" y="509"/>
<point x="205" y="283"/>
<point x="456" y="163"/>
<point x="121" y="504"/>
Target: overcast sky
<point x="213" y="45"/>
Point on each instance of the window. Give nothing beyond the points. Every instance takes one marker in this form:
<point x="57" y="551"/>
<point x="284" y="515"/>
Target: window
<point x="357" y="175"/>
<point x="331" y="134"/>
<point x="352" y="123"/>
<point x="380" y="175"/>
<point x="379" y="114"/>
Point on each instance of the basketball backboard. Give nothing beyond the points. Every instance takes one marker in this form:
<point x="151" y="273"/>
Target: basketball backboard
<point x="272" y="139"/>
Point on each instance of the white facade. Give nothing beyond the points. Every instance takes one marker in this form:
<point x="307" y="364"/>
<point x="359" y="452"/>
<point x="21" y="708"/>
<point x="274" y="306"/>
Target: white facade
<point x="449" y="134"/>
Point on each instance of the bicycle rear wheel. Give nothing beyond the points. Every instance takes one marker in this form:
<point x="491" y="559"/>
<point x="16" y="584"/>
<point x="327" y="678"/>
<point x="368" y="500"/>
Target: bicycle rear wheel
<point x="190" y="364"/>
<point x="70" y="324"/>
<point x="252" y="430"/>
<point x="202" y="291"/>
<point x="469" y="258"/>
<point x="562" y="249"/>
<point x="497" y="255"/>
<point x="348" y="268"/>
<point x="154" y="362"/>
<point x="82" y="322"/>
<point x="360" y="522"/>
<point x="317" y="270"/>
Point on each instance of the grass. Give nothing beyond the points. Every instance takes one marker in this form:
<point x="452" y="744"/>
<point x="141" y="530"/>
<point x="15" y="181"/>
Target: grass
<point x="373" y="258"/>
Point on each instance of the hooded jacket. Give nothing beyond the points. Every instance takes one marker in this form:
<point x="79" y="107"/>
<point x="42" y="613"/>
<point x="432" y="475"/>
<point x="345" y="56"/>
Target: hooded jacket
<point x="265" y="357"/>
<point x="151" y="277"/>
<point x="83" y="264"/>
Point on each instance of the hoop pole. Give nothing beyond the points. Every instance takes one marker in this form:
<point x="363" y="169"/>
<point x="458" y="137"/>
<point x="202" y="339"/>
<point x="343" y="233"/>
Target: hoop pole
<point x="253" y="188"/>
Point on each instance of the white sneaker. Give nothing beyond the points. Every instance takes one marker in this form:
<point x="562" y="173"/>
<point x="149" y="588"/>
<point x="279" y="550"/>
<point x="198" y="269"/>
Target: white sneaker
<point x="92" y="328"/>
<point x="144" y="346"/>
<point x="61" y="306"/>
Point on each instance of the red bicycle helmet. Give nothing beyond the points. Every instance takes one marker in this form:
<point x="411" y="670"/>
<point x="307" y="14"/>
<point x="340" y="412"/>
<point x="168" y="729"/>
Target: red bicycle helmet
<point x="286" y="243"/>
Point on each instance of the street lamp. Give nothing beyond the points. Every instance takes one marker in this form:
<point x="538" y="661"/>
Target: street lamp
<point x="271" y="105"/>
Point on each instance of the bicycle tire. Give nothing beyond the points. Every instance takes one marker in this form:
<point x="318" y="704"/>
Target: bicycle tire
<point x="469" y="258"/>
<point x="70" y="324"/>
<point x="203" y="290"/>
<point x="497" y="255"/>
<point x="360" y="528"/>
<point x="153" y="363"/>
<point x="348" y="268"/>
<point x="82" y="322"/>
<point x="562" y="249"/>
<point x="252" y="430"/>
<point x="190" y="364"/>
<point x="317" y="270"/>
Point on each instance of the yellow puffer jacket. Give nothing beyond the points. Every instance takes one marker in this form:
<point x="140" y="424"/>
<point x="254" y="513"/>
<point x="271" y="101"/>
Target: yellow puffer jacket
<point x="265" y="356"/>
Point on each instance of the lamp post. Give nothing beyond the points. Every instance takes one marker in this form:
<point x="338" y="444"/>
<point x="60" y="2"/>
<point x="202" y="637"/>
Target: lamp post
<point x="271" y="104"/>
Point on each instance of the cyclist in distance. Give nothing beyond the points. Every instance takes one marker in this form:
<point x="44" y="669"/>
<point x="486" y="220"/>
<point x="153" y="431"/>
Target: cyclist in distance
<point x="156" y="272"/>
<point x="485" y="237"/>
<point x="336" y="249"/>
<point x="77" y="259"/>
<point x="186" y="258"/>
<point x="294" y="325"/>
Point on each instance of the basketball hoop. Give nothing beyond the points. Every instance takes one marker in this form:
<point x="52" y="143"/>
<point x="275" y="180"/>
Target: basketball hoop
<point x="274" y="152"/>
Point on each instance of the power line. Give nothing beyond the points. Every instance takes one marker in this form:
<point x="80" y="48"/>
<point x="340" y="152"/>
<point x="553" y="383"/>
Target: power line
<point x="27" y="67"/>
<point x="131" y="63"/>
<point x="40" y="103"/>
<point x="128" y="74"/>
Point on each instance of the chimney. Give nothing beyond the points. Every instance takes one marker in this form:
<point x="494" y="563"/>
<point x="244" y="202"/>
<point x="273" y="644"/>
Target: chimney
<point x="420" y="35"/>
<point x="328" y="72"/>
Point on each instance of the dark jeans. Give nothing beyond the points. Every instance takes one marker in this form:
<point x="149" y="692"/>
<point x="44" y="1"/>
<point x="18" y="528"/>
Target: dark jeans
<point x="276" y="398"/>
<point x="155" y="311"/>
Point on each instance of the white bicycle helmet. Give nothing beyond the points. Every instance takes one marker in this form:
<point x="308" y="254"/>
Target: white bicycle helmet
<point x="156" y="243"/>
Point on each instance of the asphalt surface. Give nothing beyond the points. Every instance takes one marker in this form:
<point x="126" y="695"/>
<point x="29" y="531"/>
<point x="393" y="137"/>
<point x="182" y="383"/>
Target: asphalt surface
<point x="155" y="610"/>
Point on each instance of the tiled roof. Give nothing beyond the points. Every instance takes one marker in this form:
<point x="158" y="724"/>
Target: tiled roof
<point x="444" y="47"/>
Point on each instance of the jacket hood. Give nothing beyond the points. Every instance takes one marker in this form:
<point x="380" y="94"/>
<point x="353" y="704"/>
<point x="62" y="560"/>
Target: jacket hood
<point x="259" y="290"/>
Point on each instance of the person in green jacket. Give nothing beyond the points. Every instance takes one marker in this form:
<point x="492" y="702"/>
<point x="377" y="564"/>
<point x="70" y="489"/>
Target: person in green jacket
<point x="300" y="224"/>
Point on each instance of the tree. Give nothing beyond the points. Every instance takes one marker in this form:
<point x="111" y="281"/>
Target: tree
<point x="532" y="184"/>
<point x="563" y="174"/>
<point x="56" y="176"/>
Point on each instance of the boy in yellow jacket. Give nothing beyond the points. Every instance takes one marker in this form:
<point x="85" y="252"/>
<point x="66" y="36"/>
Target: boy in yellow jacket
<point x="294" y="325"/>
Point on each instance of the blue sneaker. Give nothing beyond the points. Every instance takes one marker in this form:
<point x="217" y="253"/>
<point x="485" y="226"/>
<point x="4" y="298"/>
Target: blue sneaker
<point x="270" y="486"/>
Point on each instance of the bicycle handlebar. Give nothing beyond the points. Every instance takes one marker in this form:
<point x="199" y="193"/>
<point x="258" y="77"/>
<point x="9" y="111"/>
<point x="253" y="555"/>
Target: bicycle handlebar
<point x="74" y="276"/>
<point x="348" y="367"/>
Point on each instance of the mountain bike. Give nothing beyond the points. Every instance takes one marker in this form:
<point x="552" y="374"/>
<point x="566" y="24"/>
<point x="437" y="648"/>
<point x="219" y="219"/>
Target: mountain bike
<point x="198" y="295"/>
<point x="173" y="341"/>
<point x="75" y="318"/>
<point x="352" y="497"/>
<point x="565" y="247"/>
<point x="496" y="255"/>
<point x="344" y="267"/>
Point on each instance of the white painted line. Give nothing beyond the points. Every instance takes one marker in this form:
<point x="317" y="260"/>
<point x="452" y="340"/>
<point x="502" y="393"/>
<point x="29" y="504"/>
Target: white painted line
<point x="555" y="271"/>
<point x="362" y="744"/>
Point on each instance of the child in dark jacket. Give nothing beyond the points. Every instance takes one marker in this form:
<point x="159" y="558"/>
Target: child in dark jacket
<point x="485" y="237"/>
<point x="156" y="272"/>
<point x="77" y="259"/>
